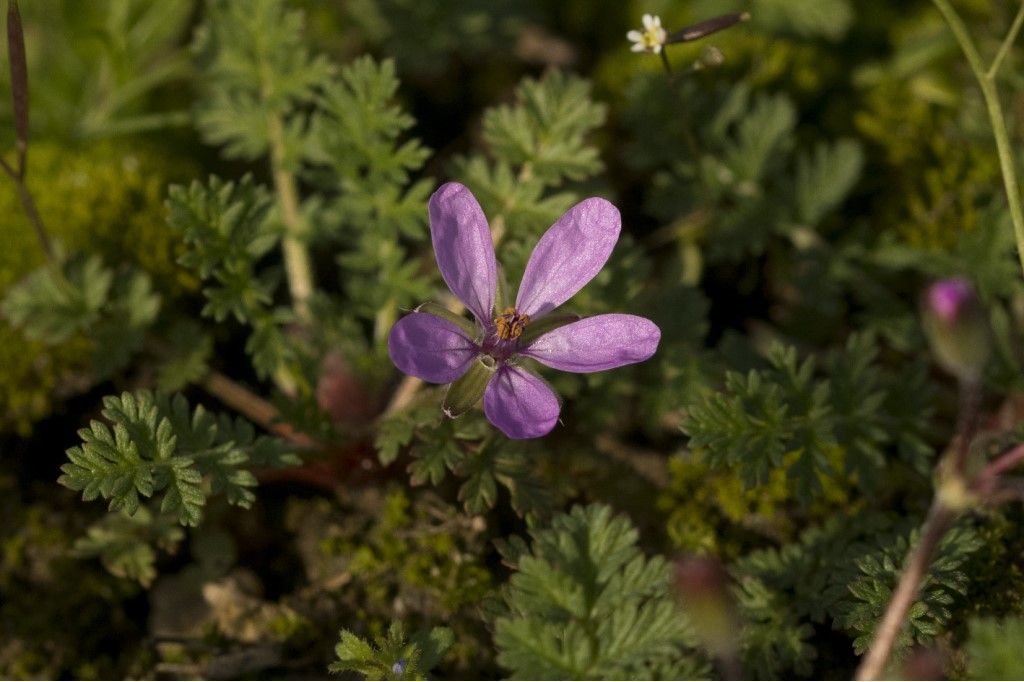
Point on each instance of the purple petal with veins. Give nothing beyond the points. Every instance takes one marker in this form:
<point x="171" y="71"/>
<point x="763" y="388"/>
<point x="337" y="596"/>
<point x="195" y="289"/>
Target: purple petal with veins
<point x="569" y="255"/>
<point x="521" y="404"/>
<point x="464" y="249"/>
<point x="597" y="343"/>
<point x="430" y="348"/>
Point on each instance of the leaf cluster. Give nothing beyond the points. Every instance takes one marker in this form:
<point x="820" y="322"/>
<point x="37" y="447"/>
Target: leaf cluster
<point x="80" y="296"/>
<point x="845" y="570"/>
<point x="738" y="179"/>
<point x="160" y="445"/>
<point x="784" y="417"/>
<point x="944" y="586"/>
<point x="126" y="543"/>
<point x="534" y="146"/>
<point x="258" y="74"/>
<point x="585" y="603"/>
<point x="392" y="656"/>
<point x="357" y="153"/>
<point x="226" y="232"/>
<point x="467" y="448"/>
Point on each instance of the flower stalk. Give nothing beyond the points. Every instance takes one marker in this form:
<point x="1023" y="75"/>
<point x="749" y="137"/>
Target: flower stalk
<point x="955" y="493"/>
<point x="940" y="517"/>
<point x="986" y="78"/>
<point x="19" y="96"/>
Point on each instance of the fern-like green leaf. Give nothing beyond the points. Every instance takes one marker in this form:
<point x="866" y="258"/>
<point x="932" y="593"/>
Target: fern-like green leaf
<point x="584" y="603"/>
<point x="163" y="446"/>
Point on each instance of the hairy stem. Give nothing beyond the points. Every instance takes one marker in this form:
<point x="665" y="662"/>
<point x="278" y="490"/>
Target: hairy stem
<point x="986" y="80"/>
<point x="939" y="519"/>
<point x="297" y="263"/>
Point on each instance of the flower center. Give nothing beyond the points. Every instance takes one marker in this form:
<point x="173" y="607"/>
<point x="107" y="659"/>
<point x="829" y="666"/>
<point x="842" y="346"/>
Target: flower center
<point x="510" y="324"/>
<point x="653" y="38"/>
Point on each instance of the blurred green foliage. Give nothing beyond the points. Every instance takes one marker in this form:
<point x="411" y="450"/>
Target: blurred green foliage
<point x="116" y="212"/>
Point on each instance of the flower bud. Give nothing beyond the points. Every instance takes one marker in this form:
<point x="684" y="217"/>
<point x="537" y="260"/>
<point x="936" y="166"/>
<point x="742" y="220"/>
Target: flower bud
<point x="702" y="587"/>
<point x="957" y="327"/>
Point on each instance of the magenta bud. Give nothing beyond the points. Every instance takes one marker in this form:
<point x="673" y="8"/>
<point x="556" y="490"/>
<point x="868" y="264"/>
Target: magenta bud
<point x="948" y="298"/>
<point x="957" y="327"/>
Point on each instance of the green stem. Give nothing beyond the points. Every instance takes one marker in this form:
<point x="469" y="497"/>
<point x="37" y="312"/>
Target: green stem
<point x="297" y="263"/>
<point x="1004" y="49"/>
<point x="664" y="60"/>
<point x="986" y="80"/>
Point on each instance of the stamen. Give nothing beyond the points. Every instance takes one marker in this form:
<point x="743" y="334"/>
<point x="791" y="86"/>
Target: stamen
<point x="510" y="324"/>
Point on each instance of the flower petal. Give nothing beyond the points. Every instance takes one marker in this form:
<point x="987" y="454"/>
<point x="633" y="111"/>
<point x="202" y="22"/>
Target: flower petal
<point x="430" y="348"/>
<point x="597" y="343"/>
<point x="520" y="403"/>
<point x="463" y="248"/>
<point x="568" y="256"/>
<point x="635" y="36"/>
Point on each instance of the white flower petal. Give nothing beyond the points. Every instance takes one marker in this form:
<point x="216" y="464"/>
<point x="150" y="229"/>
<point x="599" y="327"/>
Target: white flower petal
<point x="639" y="47"/>
<point x="635" y="36"/>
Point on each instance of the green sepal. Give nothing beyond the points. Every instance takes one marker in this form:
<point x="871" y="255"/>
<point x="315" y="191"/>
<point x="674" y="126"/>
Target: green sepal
<point x="545" y="324"/>
<point x="466" y="391"/>
<point x="438" y="310"/>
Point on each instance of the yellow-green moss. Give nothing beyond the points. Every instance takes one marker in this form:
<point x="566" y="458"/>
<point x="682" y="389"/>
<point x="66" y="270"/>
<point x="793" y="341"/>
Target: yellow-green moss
<point x="936" y="178"/>
<point x="710" y="511"/>
<point x="100" y="199"/>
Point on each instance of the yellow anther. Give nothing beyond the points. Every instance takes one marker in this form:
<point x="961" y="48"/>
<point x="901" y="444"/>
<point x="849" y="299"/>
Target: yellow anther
<point x="510" y="324"/>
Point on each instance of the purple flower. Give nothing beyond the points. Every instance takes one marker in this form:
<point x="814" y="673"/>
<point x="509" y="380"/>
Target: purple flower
<point x="485" y="356"/>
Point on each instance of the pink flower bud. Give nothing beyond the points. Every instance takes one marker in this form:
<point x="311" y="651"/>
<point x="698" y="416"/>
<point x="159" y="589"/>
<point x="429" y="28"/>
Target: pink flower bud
<point x="957" y="327"/>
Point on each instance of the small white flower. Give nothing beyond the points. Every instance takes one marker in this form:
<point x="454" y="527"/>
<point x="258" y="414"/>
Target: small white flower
<point x="651" y="38"/>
